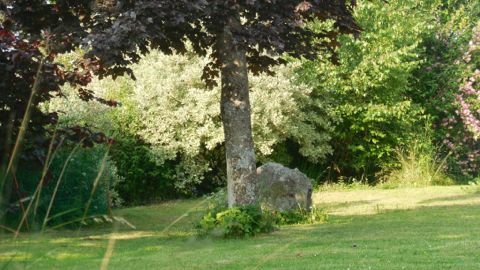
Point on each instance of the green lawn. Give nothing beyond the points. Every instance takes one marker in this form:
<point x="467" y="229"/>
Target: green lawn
<point x="422" y="228"/>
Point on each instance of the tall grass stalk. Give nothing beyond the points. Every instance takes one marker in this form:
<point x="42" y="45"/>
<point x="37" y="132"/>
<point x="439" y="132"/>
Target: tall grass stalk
<point x="46" y="167"/>
<point x="109" y="251"/>
<point x="20" y="201"/>
<point x="94" y="187"/>
<point x="7" y="229"/>
<point x="22" y="130"/>
<point x="65" y="165"/>
<point x="38" y="189"/>
<point x="7" y="142"/>
<point x="21" y="134"/>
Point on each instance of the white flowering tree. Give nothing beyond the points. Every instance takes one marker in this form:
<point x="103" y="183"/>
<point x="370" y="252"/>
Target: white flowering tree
<point x="178" y="116"/>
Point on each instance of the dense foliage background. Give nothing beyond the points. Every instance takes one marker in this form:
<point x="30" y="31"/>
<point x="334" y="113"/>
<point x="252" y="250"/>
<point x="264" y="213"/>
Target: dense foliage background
<point x="405" y="92"/>
<point x="390" y="95"/>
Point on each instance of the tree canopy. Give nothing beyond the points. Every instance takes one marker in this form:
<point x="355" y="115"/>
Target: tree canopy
<point x="236" y="34"/>
<point x="117" y="33"/>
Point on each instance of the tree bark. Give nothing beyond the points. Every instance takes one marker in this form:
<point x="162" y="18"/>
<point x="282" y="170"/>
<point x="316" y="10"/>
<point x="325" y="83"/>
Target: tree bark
<point x="236" y="118"/>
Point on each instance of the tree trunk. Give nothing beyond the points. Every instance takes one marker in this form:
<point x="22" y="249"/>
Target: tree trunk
<point x="236" y="118"/>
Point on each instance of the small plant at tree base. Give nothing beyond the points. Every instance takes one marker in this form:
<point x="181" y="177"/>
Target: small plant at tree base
<point x="217" y="201"/>
<point x="250" y="220"/>
<point x="238" y="222"/>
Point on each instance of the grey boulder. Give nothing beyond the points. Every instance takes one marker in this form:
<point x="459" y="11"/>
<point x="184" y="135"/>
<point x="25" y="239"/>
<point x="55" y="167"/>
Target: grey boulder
<point x="283" y="189"/>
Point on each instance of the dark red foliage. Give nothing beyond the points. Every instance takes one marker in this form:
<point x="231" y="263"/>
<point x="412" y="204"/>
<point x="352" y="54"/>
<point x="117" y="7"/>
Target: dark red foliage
<point x="34" y="32"/>
<point x="270" y="29"/>
<point x="118" y="32"/>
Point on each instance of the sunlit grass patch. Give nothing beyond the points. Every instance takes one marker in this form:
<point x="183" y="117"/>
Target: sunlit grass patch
<point x="122" y="236"/>
<point x="153" y="248"/>
<point x="61" y="241"/>
<point x="90" y="244"/>
<point x="411" y="228"/>
<point x="368" y="202"/>
<point x="69" y="255"/>
<point x="15" y="256"/>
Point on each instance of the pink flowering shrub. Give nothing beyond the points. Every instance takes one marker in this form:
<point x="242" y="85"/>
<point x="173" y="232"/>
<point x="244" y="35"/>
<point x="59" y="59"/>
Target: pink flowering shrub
<point x="463" y="126"/>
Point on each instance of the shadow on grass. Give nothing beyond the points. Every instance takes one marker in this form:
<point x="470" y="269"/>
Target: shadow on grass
<point x="395" y="223"/>
<point x="339" y="205"/>
<point x="431" y="237"/>
<point x="438" y="231"/>
<point x="452" y="198"/>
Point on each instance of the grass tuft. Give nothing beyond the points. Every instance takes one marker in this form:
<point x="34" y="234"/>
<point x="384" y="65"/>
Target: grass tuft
<point x="420" y="166"/>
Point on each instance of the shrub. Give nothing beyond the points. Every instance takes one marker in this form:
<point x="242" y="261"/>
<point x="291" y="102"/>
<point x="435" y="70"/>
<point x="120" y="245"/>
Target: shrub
<point x="147" y="182"/>
<point x="238" y="222"/>
<point x="367" y="89"/>
<point x="419" y="165"/>
<point x="252" y="219"/>
<point x="177" y="118"/>
<point x="441" y="84"/>
<point x="219" y="220"/>
<point x="75" y="190"/>
<point x="180" y="118"/>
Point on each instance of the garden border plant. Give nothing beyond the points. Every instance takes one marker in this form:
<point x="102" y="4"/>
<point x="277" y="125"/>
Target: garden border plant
<point x="250" y="220"/>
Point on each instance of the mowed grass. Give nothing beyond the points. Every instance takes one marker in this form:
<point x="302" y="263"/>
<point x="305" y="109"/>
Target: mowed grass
<point x="419" y="228"/>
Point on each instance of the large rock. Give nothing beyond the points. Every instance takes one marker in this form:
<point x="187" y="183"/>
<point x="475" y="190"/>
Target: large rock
<point x="283" y="189"/>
